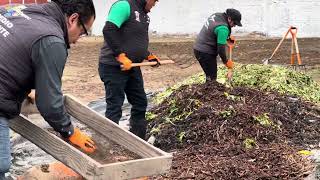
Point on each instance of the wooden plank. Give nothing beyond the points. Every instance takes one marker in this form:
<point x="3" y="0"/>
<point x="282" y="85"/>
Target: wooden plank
<point x="136" y="168"/>
<point x="110" y="129"/>
<point x="56" y="147"/>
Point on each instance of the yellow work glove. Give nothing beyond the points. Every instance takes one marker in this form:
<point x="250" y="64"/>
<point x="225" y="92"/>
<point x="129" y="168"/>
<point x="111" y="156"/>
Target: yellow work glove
<point x="125" y="61"/>
<point x="82" y="141"/>
<point x="154" y="58"/>
<point x="229" y="64"/>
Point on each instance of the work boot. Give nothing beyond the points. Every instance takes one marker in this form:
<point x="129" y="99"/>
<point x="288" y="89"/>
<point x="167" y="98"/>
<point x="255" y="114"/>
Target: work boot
<point x="139" y="129"/>
<point x="208" y="79"/>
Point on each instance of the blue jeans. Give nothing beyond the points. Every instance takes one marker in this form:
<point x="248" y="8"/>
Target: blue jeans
<point x="5" y="157"/>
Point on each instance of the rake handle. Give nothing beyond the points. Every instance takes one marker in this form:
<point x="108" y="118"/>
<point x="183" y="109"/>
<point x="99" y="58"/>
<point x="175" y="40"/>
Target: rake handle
<point x="152" y="63"/>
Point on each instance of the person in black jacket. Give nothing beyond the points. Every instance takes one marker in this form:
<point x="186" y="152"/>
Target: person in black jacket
<point x="212" y="40"/>
<point x="33" y="52"/>
<point x="126" y="42"/>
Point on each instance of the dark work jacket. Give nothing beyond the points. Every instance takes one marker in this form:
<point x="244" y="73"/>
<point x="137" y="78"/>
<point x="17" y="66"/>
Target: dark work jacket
<point x="207" y="40"/>
<point x="23" y="26"/>
<point x="134" y="36"/>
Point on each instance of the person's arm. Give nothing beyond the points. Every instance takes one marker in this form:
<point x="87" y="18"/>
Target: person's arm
<point x="119" y="14"/>
<point x="49" y="56"/>
<point x="222" y="33"/>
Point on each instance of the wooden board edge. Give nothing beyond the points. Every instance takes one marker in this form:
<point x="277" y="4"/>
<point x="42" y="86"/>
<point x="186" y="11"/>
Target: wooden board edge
<point x="136" y="168"/>
<point x="53" y="145"/>
<point x="110" y="129"/>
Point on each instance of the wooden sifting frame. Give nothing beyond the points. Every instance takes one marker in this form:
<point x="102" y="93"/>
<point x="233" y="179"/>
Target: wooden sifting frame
<point x="153" y="160"/>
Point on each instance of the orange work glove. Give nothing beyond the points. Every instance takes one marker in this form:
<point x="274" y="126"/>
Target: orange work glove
<point x="229" y="64"/>
<point x="125" y="61"/>
<point x="82" y="140"/>
<point x="154" y="58"/>
<point x="231" y="40"/>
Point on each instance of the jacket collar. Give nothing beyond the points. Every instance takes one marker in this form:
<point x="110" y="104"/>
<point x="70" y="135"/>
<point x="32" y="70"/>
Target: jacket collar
<point x="56" y="13"/>
<point x="141" y="4"/>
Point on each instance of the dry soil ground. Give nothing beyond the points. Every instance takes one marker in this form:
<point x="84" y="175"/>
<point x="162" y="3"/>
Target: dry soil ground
<point x="81" y="77"/>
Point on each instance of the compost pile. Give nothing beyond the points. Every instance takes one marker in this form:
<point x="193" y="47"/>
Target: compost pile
<point x="217" y="132"/>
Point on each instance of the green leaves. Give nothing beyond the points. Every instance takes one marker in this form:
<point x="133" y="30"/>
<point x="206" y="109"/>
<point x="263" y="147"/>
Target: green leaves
<point x="249" y="143"/>
<point x="272" y="78"/>
<point x="228" y="113"/>
<point x="150" y="116"/>
<point x="195" y="79"/>
<point x="263" y="77"/>
<point x="181" y="136"/>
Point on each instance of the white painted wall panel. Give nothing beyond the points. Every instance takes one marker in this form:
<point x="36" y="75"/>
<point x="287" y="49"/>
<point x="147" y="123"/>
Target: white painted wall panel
<point x="270" y="17"/>
<point x="102" y="8"/>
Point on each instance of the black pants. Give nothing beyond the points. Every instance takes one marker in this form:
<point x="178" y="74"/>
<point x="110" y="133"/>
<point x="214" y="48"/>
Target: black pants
<point x="118" y="83"/>
<point x="208" y="63"/>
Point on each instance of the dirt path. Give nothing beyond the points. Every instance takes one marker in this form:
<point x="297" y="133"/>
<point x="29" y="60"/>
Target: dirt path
<point x="81" y="76"/>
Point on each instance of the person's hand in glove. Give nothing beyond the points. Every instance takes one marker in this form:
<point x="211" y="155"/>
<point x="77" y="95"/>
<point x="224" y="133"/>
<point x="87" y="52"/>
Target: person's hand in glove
<point x="231" y="41"/>
<point x="125" y="61"/>
<point x="229" y="75"/>
<point x="154" y="58"/>
<point x="82" y="140"/>
<point x="229" y="64"/>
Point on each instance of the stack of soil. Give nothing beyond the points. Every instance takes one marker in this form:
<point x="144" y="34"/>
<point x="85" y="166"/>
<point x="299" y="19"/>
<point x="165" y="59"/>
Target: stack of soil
<point x="240" y="133"/>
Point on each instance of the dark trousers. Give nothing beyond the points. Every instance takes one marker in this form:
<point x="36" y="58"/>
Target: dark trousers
<point x="118" y="84"/>
<point x="208" y="63"/>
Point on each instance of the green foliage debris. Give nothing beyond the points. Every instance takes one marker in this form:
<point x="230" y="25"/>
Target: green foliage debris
<point x="228" y="112"/>
<point x="263" y="120"/>
<point x="150" y="116"/>
<point x="155" y="130"/>
<point x="181" y="136"/>
<point x="272" y="78"/>
<point x="176" y="113"/>
<point x="263" y="77"/>
<point x="249" y="143"/>
<point x="232" y="97"/>
<point x="195" y="79"/>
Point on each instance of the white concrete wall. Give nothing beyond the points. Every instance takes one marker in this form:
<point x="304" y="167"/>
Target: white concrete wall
<point x="270" y="17"/>
<point x="102" y="8"/>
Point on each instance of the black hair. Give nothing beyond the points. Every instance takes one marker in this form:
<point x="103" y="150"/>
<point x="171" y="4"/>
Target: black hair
<point x="84" y="8"/>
